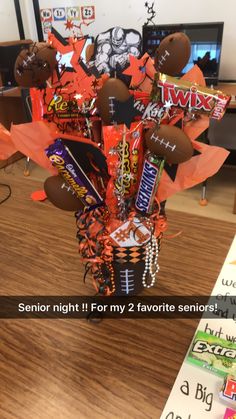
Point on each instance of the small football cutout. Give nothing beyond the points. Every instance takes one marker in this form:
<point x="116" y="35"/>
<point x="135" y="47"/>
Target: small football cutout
<point x="169" y="142"/>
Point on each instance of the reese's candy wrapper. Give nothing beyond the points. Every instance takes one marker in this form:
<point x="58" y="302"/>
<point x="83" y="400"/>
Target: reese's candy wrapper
<point x="152" y="170"/>
<point x="62" y="158"/>
<point x="123" y="149"/>
<point x="61" y="108"/>
<point x="215" y="354"/>
<point x="185" y="94"/>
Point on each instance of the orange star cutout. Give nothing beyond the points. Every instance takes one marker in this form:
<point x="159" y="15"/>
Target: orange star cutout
<point x="69" y="24"/>
<point x="136" y="69"/>
<point x="55" y="43"/>
<point x="139" y="69"/>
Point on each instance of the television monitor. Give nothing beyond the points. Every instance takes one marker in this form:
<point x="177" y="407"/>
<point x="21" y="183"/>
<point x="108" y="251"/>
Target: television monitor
<point x="206" y="44"/>
<point x="8" y="54"/>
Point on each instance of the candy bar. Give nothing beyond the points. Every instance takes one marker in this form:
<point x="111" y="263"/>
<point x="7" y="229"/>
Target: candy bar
<point x="124" y="152"/>
<point x="213" y="353"/>
<point x="185" y="94"/>
<point x="152" y="170"/>
<point x="230" y="414"/>
<point x="62" y="158"/>
<point x="228" y="391"/>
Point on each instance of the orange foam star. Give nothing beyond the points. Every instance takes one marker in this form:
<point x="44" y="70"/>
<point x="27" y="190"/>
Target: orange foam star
<point x="69" y="24"/>
<point x="137" y="70"/>
<point x="55" y="43"/>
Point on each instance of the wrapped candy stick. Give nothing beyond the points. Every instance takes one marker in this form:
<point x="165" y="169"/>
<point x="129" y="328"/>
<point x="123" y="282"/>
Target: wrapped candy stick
<point x="62" y="158"/>
<point x="152" y="170"/>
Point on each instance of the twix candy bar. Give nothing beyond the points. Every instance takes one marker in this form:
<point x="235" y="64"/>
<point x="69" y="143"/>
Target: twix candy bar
<point x="185" y="94"/>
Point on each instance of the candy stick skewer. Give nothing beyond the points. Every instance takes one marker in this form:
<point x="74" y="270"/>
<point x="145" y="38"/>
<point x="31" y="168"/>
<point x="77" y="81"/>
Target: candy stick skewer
<point x="123" y="159"/>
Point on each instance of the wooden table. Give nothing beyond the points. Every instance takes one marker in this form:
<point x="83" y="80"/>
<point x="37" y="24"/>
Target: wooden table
<point x="73" y="369"/>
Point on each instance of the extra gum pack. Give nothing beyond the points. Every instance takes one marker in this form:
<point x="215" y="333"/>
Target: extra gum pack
<point x="213" y="353"/>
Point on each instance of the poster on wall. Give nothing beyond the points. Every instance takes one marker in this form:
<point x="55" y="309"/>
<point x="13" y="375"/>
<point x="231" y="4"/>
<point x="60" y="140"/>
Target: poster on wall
<point x="68" y="17"/>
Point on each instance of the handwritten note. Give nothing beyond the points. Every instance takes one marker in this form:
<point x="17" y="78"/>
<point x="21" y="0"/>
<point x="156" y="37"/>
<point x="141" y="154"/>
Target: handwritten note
<point x="195" y="393"/>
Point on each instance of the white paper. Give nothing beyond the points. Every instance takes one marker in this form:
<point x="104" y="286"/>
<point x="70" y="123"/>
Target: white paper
<point x="195" y="394"/>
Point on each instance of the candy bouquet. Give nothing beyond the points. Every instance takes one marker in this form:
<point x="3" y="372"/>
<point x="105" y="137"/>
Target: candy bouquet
<point x="119" y="132"/>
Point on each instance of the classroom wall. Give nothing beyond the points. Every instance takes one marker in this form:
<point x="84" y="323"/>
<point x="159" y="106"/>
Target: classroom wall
<point x="27" y="12"/>
<point x="132" y="14"/>
<point x="8" y="22"/>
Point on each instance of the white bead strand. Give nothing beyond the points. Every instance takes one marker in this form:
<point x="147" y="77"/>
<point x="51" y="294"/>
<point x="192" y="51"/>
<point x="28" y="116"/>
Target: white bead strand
<point x="150" y="262"/>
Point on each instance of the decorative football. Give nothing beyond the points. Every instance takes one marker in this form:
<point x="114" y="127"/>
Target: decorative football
<point x="35" y="65"/>
<point x="61" y="194"/>
<point x="112" y="89"/>
<point x="173" y="54"/>
<point x="170" y="142"/>
<point x="89" y="52"/>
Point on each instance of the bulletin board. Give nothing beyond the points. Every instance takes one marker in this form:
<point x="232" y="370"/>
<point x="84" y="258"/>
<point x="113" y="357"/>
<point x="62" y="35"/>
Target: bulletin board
<point x="68" y="17"/>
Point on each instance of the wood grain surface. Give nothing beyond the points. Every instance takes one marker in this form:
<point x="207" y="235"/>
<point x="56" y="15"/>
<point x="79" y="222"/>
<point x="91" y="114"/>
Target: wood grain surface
<point x="71" y="369"/>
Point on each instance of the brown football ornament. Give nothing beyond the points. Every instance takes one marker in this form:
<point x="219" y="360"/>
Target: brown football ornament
<point x="61" y="194"/>
<point x="35" y="65"/>
<point x="169" y="142"/>
<point x="112" y="89"/>
<point x="173" y="54"/>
